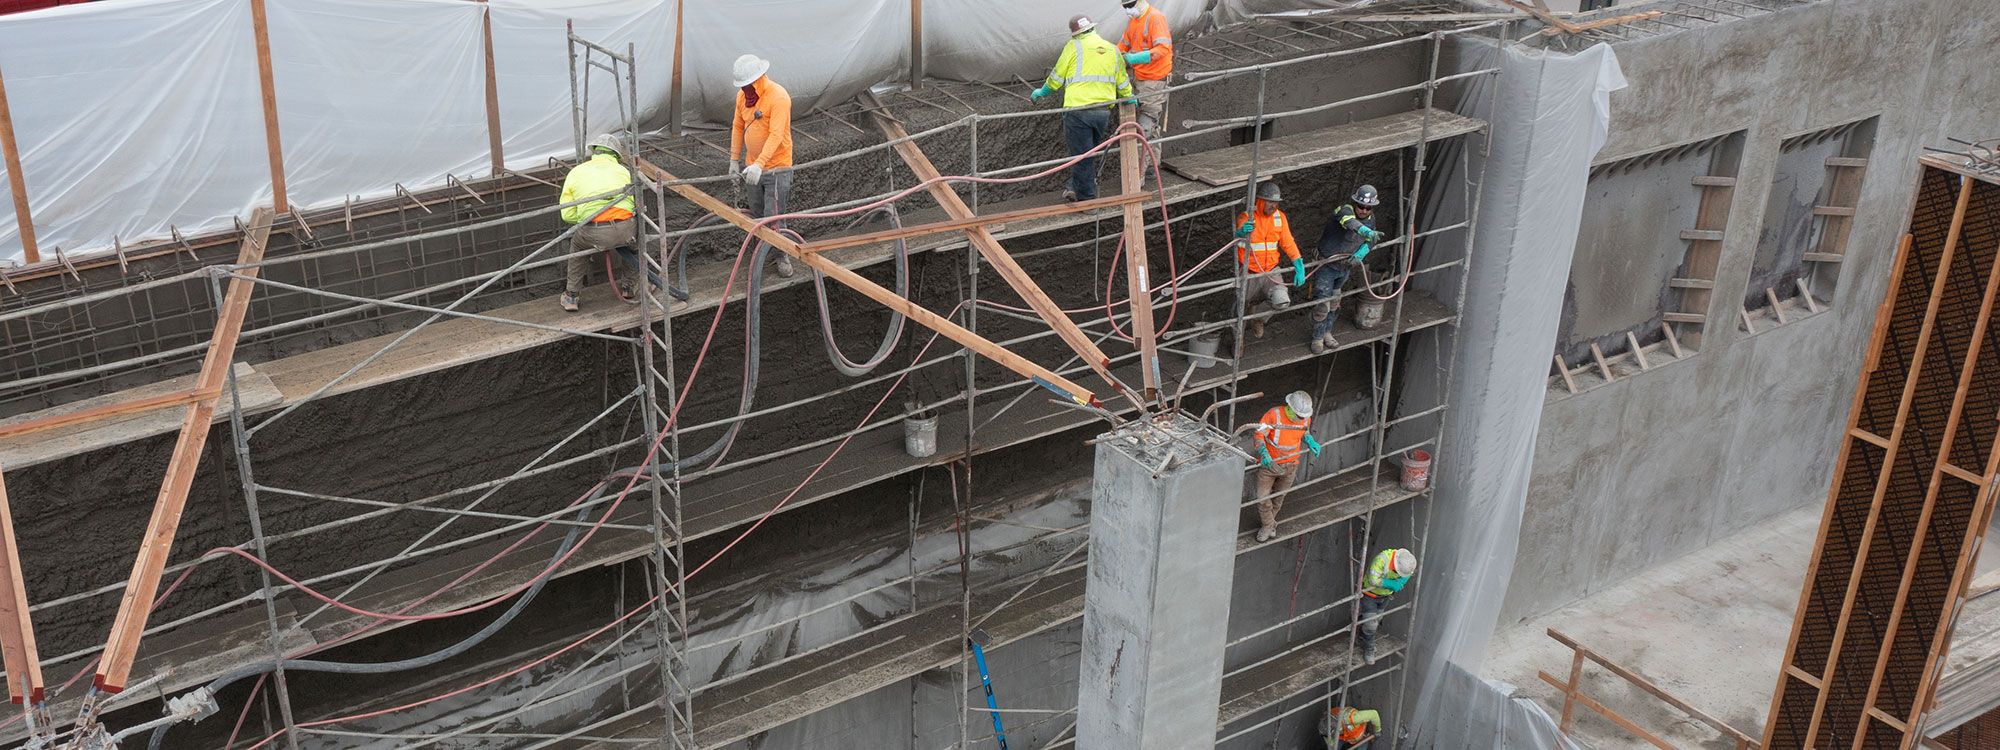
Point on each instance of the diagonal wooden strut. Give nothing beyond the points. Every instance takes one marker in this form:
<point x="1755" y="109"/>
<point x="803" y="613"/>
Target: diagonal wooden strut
<point x="137" y="603"/>
<point x="990" y="249"/>
<point x="915" y="312"/>
<point x="17" y="633"/>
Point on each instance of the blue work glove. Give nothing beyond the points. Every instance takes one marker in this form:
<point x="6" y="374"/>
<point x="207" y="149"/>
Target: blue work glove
<point x="1312" y="445"/>
<point x="1139" y="58"/>
<point x="1264" y="454"/>
<point x="1298" y="272"/>
<point x="1039" y="93"/>
<point x="1244" y="231"/>
<point x="1371" y="234"/>
<point x="1361" y="253"/>
<point x="1133" y="101"/>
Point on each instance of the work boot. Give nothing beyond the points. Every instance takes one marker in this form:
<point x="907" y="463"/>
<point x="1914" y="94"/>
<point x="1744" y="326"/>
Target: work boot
<point x="1256" y="328"/>
<point x="1368" y="654"/>
<point x="1267" y="533"/>
<point x="785" y="266"/>
<point x="1318" y="346"/>
<point x="1069" y="196"/>
<point x="1328" y="341"/>
<point x="569" y="301"/>
<point x="625" y="293"/>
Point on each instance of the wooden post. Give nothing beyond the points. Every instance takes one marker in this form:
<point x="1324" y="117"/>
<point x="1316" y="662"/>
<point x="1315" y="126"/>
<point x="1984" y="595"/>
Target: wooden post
<point x="674" y="88"/>
<point x="1132" y="178"/>
<point x="262" y="28"/>
<point x="492" y="92"/>
<point x="916" y="313"/>
<point x="16" y="182"/>
<point x="137" y="605"/>
<point x="916" y="44"/>
<point x="1569" y="693"/>
<point x="17" y="632"/>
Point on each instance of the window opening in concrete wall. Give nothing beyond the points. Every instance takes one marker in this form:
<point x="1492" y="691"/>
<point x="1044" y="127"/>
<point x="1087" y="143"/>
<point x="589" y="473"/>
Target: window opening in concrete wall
<point x="1245" y="135"/>
<point x="1815" y="188"/>
<point x="1645" y="262"/>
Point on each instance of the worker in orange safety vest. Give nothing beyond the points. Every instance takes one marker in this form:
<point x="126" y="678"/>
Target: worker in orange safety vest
<point x="1347" y="728"/>
<point x="760" y="135"/>
<point x="1148" y="46"/>
<point x="1260" y="239"/>
<point x="1283" y="435"/>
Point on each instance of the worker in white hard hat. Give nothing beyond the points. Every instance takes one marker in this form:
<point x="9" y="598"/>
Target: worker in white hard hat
<point x="1283" y="435"/>
<point x="1387" y="574"/>
<point x="607" y="222"/>
<point x="1148" y="46"/>
<point x="760" y="144"/>
<point x="1343" y="244"/>
<point x="1091" y="74"/>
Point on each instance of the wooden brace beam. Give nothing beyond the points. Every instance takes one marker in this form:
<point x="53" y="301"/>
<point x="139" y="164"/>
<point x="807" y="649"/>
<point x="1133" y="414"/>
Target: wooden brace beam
<point x="915" y="312"/>
<point x="17" y="632"/>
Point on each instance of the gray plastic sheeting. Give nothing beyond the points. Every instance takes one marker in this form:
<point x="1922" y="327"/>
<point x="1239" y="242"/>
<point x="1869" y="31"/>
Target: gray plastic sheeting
<point x="1549" y="118"/>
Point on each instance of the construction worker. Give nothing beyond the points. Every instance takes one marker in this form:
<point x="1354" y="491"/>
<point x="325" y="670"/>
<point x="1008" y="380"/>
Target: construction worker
<point x="1347" y="728"/>
<point x="760" y="144"/>
<point x="1283" y="435"/>
<point x="1091" y="75"/>
<point x="1259" y="241"/>
<point x="1148" y="46"/>
<point x="607" y="222"/>
<point x="1387" y="574"/>
<point x="1346" y="240"/>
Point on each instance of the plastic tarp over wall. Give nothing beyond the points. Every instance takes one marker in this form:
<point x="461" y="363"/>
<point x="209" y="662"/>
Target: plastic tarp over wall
<point x="1550" y="116"/>
<point x="134" y="116"/>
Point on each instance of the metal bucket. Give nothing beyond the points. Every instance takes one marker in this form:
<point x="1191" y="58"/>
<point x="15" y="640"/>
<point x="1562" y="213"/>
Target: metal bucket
<point x="1368" y="314"/>
<point x="1204" y="347"/>
<point x="920" y="435"/>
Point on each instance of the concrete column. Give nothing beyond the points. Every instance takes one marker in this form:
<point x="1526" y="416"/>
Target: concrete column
<point x="1156" y="610"/>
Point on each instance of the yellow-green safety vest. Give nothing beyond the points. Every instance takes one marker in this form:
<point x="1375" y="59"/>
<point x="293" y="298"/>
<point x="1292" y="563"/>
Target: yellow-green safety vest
<point x="601" y="174"/>
<point x="1090" y="71"/>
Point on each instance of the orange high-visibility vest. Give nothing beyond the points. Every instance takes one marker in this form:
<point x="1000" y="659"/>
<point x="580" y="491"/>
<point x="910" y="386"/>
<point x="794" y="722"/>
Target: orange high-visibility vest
<point x="1282" y="437"/>
<point x="1270" y="236"/>
<point x="1149" y="32"/>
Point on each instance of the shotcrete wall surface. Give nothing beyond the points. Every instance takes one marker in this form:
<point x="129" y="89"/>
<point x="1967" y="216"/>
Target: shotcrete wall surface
<point x="1655" y="465"/>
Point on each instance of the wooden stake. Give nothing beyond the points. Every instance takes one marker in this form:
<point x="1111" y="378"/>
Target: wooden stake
<point x="1777" y="308"/>
<point x="492" y="92"/>
<point x="16" y="182"/>
<point x="1568" y="382"/>
<point x="1638" y="352"/>
<point x="1601" y="365"/>
<point x="17" y="631"/>
<point x="916" y="313"/>
<point x="674" y="88"/>
<point x="916" y="44"/>
<point x="1132" y="182"/>
<point x="276" y="150"/>
<point x="137" y="604"/>
<point x="1673" y="342"/>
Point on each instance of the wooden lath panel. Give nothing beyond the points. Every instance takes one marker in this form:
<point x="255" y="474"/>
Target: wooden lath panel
<point x="1907" y="507"/>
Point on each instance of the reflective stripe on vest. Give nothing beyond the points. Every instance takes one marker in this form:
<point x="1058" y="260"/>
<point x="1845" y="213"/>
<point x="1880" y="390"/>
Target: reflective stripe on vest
<point x="1076" y="64"/>
<point x="1284" y="439"/>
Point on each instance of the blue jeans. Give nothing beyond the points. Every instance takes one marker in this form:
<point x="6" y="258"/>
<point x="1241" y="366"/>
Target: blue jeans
<point x="1083" y="129"/>
<point x="1326" y="283"/>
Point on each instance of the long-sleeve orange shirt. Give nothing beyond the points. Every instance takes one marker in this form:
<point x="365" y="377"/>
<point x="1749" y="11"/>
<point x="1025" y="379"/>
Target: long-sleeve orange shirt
<point x="766" y="128"/>
<point x="1268" y="237"/>
<point x="1150" y="32"/>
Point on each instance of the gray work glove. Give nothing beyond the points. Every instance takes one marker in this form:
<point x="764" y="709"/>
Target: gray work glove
<point x="752" y="174"/>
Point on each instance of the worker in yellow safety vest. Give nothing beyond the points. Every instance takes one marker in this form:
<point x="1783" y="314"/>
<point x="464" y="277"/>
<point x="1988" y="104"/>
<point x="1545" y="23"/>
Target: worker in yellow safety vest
<point x="1260" y="238"/>
<point x="1347" y="728"/>
<point x="1283" y="435"/>
<point x="1387" y="574"/>
<point x="1091" y="74"/>
<point x="607" y="222"/>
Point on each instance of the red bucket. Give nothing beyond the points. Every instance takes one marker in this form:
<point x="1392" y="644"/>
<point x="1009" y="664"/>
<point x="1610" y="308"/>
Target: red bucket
<point x="1416" y="470"/>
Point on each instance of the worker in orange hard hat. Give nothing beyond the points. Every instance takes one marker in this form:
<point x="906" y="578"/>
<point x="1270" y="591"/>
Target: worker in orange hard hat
<point x="1148" y="46"/>
<point x="1283" y="436"/>
<point x="1260" y="238"/>
<point x="760" y="135"/>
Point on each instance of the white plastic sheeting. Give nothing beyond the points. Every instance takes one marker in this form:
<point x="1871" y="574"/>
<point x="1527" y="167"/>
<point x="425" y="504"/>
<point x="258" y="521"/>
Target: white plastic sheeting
<point x="137" y="115"/>
<point x="1551" y="115"/>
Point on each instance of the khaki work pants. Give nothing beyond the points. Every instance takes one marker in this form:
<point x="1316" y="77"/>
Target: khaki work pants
<point x="1152" y="106"/>
<point x="1269" y="481"/>
<point x="597" y="235"/>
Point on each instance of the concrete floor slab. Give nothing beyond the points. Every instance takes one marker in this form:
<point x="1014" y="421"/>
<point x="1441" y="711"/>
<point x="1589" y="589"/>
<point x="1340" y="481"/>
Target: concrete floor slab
<point x="1709" y="627"/>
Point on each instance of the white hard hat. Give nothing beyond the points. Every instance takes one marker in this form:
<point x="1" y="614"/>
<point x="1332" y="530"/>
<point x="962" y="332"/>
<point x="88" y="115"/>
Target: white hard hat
<point x="1300" y="403"/>
<point x="609" y="142"/>
<point x="1080" y="23"/>
<point x="1403" y="563"/>
<point x="748" y="69"/>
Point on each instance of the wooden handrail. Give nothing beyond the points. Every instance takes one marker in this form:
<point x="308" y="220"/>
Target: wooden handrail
<point x="1572" y="696"/>
<point x="108" y="411"/>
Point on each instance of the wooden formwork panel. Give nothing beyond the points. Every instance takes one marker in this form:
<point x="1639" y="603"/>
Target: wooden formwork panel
<point x="1910" y="497"/>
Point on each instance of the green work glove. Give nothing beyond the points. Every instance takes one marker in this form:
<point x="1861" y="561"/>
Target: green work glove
<point x="1039" y="93"/>
<point x="1298" y="272"/>
<point x="1133" y="101"/>
<point x="1361" y="253"/>
<point x="1264" y="454"/>
<point x="1139" y="58"/>
<point x="1244" y="231"/>
<point x="1312" y="445"/>
<point x="1371" y="234"/>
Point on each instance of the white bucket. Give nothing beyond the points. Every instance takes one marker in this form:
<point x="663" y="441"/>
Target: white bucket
<point x="1204" y="348"/>
<point x="1368" y="314"/>
<point x="920" y="435"/>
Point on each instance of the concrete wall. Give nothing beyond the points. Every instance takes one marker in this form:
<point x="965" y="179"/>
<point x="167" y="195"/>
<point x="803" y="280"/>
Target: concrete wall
<point x="1664" y="462"/>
